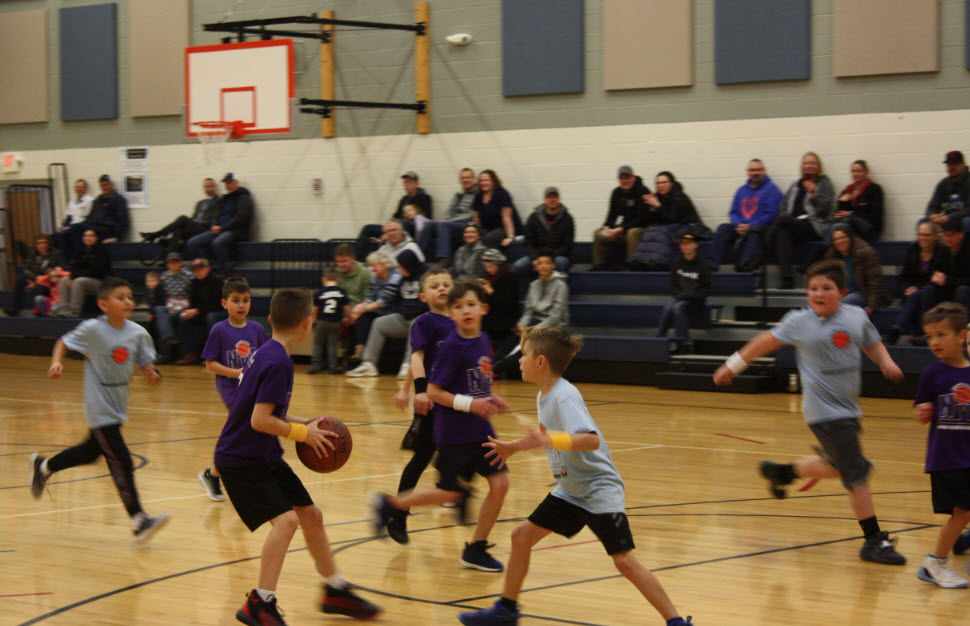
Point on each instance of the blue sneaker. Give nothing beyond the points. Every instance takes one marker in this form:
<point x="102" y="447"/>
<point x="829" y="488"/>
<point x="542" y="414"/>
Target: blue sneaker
<point x="382" y="513"/>
<point x="498" y="614"/>
<point x="476" y="556"/>
<point x="962" y="542"/>
<point x="682" y="622"/>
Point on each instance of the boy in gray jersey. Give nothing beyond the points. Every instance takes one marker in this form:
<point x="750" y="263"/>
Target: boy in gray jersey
<point x="111" y="345"/>
<point x="828" y="337"/>
<point x="589" y="491"/>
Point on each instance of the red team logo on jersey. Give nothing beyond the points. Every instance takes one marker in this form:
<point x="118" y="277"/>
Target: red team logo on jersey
<point x="961" y="393"/>
<point x="119" y="355"/>
<point x="242" y="348"/>
<point x="841" y="340"/>
<point x="485" y="364"/>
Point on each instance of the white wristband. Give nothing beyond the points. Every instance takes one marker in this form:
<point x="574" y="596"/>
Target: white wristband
<point x="736" y="364"/>
<point x="463" y="403"/>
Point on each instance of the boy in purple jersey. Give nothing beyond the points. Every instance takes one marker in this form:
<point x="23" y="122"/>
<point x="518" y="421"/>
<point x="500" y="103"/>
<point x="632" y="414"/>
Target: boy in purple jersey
<point x="230" y="346"/>
<point x="261" y="486"/>
<point x="428" y="331"/>
<point x="460" y="386"/>
<point x="943" y="402"/>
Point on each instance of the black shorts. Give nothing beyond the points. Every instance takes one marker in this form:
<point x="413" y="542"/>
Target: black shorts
<point x="841" y="449"/>
<point x="259" y="492"/>
<point x="951" y="489"/>
<point x="567" y="519"/>
<point x="463" y="459"/>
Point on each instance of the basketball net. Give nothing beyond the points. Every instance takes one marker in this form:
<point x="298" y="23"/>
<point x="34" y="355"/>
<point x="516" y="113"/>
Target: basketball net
<point x="213" y="137"/>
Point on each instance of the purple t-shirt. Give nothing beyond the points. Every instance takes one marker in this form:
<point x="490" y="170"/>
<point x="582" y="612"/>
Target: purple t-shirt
<point x="948" y="388"/>
<point x="232" y="347"/>
<point x="463" y="366"/>
<point x="267" y="378"/>
<point x="428" y="332"/>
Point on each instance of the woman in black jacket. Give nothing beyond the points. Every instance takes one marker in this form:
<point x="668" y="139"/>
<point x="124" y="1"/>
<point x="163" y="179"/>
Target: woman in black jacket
<point x="88" y="268"/>
<point x="503" y="301"/>
<point x="670" y="205"/>
<point x="924" y="257"/>
<point x="860" y="205"/>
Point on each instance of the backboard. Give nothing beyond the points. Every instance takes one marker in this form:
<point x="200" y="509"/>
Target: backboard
<point x="249" y="82"/>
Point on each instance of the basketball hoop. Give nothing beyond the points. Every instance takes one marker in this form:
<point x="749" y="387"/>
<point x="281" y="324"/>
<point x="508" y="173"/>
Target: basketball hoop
<point x="214" y="135"/>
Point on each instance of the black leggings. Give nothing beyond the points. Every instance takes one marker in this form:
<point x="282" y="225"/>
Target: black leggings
<point x="424" y="450"/>
<point x="106" y="441"/>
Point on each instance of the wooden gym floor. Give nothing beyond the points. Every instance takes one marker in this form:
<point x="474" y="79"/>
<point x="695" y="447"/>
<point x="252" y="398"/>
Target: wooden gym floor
<point x="726" y="552"/>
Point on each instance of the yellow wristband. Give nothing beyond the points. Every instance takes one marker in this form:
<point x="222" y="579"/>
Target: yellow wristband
<point x="298" y="432"/>
<point x="560" y="440"/>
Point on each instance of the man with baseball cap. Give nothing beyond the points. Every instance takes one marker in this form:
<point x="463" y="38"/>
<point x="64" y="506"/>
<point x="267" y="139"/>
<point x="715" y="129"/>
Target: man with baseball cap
<point x="952" y="194"/>
<point x="549" y="226"/>
<point x="231" y="223"/>
<point x="412" y="195"/>
<point x="625" y="220"/>
<point x="204" y="310"/>
<point x="108" y="217"/>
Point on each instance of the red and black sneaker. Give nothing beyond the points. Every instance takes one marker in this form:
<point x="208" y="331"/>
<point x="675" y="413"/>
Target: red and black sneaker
<point x="346" y="602"/>
<point x="257" y="612"/>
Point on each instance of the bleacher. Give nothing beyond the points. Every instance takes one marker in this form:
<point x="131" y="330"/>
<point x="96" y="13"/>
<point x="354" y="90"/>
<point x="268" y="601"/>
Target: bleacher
<point x="617" y="313"/>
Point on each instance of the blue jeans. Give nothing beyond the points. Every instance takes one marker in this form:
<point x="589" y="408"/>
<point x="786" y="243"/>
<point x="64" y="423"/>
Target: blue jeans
<point x="166" y="322"/>
<point x="724" y="239"/>
<point x="209" y="245"/>
<point x="679" y="312"/>
<point x="854" y="297"/>
<point x="446" y="237"/>
<point x="523" y="268"/>
<point x="910" y="313"/>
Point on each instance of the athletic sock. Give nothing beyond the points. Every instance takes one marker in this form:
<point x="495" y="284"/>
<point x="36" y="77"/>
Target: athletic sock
<point x="870" y="526"/>
<point x="511" y="605"/>
<point x="336" y="581"/>
<point x="137" y="518"/>
<point x="44" y="470"/>
<point x="266" y="595"/>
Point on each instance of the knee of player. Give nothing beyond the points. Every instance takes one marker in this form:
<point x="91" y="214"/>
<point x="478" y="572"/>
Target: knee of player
<point x="521" y="537"/>
<point x="287" y="521"/>
<point x="961" y="515"/>
<point x="625" y="562"/>
<point x="499" y="483"/>
<point x="310" y="516"/>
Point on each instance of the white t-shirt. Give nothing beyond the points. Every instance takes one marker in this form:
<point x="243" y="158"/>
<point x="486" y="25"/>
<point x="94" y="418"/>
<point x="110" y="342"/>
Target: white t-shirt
<point x="78" y="209"/>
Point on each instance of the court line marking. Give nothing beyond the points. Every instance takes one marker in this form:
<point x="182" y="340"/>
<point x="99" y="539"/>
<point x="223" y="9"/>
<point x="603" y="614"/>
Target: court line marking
<point x="565" y="545"/>
<point x="741" y="438"/>
<point x="19" y="595"/>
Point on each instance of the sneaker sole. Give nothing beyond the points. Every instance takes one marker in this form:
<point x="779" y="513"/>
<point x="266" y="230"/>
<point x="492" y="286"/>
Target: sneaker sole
<point x="331" y="609"/>
<point x="33" y="475"/>
<point x="147" y="534"/>
<point x="245" y="619"/>
<point x="901" y="561"/>
<point x="481" y="568"/>
<point x="215" y="497"/>
<point x="922" y="574"/>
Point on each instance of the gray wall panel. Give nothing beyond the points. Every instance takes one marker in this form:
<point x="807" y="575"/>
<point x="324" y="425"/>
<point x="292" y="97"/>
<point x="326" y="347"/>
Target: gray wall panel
<point x="758" y="41"/>
<point x="89" y="62"/>
<point x="542" y="47"/>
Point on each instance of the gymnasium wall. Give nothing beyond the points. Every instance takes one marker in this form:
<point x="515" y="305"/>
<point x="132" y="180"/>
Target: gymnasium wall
<point x="704" y="131"/>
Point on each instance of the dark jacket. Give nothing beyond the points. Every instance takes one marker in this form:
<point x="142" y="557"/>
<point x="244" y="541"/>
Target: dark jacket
<point x="559" y="236"/>
<point x="943" y="200"/>
<point x="866" y="272"/>
<point x="205" y="295"/>
<point x="420" y="199"/>
<point x="503" y="308"/>
<point x="818" y="208"/>
<point x="110" y="211"/>
<point x="957" y="265"/>
<point x="93" y="262"/>
<point x="627" y="207"/>
<point x="867" y="206"/>
<point x="407" y="302"/>
<point x="691" y="280"/>
<point x="910" y="274"/>
<point x="155" y="297"/>
<point x="37" y="264"/>
<point x="675" y="208"/>
<point x="234" y="213"/>
<point x="206" y="210"/>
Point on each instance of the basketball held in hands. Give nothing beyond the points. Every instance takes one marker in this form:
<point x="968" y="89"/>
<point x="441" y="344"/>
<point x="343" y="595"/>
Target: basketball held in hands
<point x="343" y="444"/>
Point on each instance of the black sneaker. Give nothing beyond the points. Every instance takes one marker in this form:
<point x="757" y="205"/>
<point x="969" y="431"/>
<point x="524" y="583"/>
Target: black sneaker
<point x="212" y="485"/>
<point x="382" y="512"/>
<point x="37" y="479"/>
<point x="776" y="476"/>
<point x="476" y="556"/>
<point x="314" y="369"/>
<point x="346" y="602"/>
<point x="881" y="549"/>
<point x="962" y="543"/>
<point x="256" y="612"/>
<point x="892" y="336"/>
<point x="149" y="526"/>
<point x="397" y="525"/>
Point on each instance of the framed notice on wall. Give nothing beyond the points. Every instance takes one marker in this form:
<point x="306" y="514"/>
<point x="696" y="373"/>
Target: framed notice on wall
<point x="134" y="177"/>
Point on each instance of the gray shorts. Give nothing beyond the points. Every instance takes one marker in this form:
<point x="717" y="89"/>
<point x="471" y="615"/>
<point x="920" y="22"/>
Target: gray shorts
<point x="841" y="449"/>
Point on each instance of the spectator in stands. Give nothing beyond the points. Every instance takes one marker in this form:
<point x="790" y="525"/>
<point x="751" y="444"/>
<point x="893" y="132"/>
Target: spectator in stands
<point x="549" y="226"/>
<point x="413" y="214"/>
<point x="51" y="281"/>
<point x="860" y="205"/>
<point x="204" y="310"/>
<point x="952" y="194"/>
<point x="447" y="233"/>
<point x="231" y="223"/>
<point x="503" y="301"/>
<point x="352" y="275"/>
<point x="412" y="195"/>
<point x="625" y="220"/>
<point x="90" y="266"/>
<point x="952" y="281"/>
<point x="176" y="282"/>
<point x="184" y="227"/>
<point x="670" y="205"/>
<point x="923" y="258"/>
<point x="671" y="213"/>
<point x="805" y="214"/>
<point x="690" y="284"/>
<point x="108" y="218"/>
<point x="397" y="240"/>
<point x="79" y="206"/>
<point x="862" y="269"/>
<point x="754" y="208"/>
<point x="468" y="258"/>
<point x="402" y="310"/>
<point x="154" y="297"/>
<point x="547" y="301"/>
<point x="384" y="285"/>
<point x="41" y="260"/>
<point x="495" y="212"/>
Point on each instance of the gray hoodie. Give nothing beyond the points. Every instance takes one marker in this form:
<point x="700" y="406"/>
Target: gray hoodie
<point x="547" y="302"/>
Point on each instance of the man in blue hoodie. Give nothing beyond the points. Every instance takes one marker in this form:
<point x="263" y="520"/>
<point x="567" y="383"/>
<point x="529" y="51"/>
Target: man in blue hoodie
<point x="754" y="208"/>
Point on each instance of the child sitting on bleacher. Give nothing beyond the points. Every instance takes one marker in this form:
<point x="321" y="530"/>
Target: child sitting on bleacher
<point x="690" y="284"/>
<point x="44" y="304"/>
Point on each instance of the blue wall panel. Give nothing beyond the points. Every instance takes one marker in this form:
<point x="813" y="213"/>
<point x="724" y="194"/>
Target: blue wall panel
<point x="542" y="47"/>
<point x="89" y="62"/>
<point x="760" y="41"/>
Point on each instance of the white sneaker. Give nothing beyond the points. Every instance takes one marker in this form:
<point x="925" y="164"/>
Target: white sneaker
<point x="939" y="572"/>
<point x="364" y="369"/>
<point x="403" y="372"/>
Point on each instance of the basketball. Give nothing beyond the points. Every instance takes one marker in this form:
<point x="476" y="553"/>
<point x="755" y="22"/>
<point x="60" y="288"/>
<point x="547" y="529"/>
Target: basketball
<point x="335" y="459"/>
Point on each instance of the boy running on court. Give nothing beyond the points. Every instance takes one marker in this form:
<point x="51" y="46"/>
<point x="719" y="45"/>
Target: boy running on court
<point x="460" y="386"/>
<point x="828" y="337"/>
<point x="260" y="485"/>
<point x="428" y="331"/>
<point x="230" y="345"/>
<point x="943" y="402"/>
<point x="589" y="491"/>
<point x="112" y="345"/>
